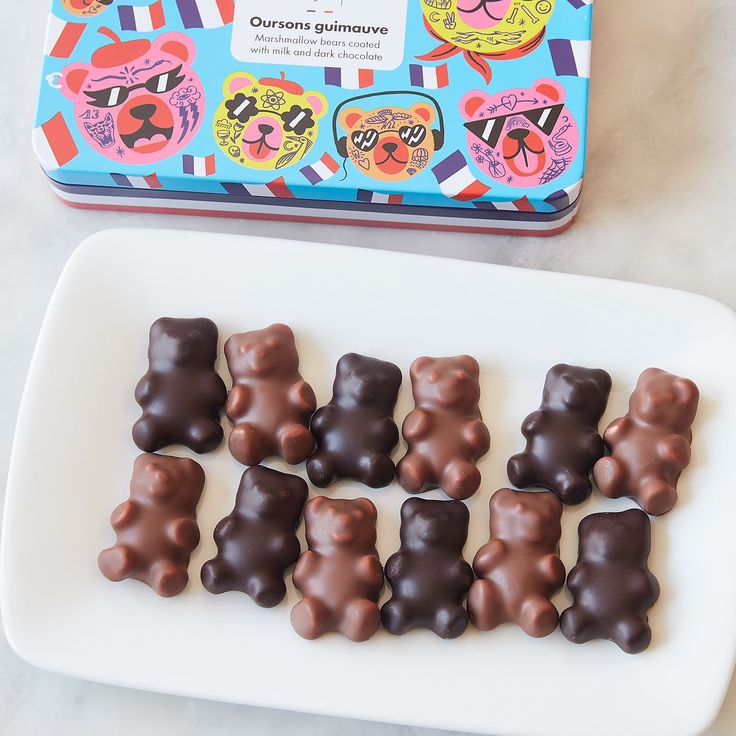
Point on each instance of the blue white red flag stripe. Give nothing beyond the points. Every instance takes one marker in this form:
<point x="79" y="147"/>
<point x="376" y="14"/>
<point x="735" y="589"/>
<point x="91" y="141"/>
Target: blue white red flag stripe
<point x="321" y="170"/>
<point x="429" y="77"/>
<point x="570" y="58"/>
<point x="53" y="143"/>
<point x="206" y="13"/>
<point x="276" y="188"/>
<point x="198" y="165"/>
<point x="137" y="182"/>
<point x="455" y="180"/>
<point x="517" y="205"/>
<point x="62" y="37"/>
<point x="349" y="78"/>
<point x="365" y="195"/>
<point x="566" y="196"/>
<point x="142" y="17"/>
<point x="580" y="3"/>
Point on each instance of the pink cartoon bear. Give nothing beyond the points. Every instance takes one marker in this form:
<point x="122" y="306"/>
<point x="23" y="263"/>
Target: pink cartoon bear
<point x="521" y="137"/>
<point x="137" y="101"/>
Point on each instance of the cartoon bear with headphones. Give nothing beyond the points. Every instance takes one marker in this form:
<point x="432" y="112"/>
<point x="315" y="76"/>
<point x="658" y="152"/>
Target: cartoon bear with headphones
<point x="389" y="143"/>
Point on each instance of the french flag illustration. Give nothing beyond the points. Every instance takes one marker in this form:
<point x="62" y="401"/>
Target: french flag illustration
<point x="198" y="165"/>
<point x="429" y="77"/>
<point x="142" y="17"/>
<point x="349" y="78"/>
<point x="137" y="182"/>
<point x="570" y="58"/>
<point x="321" y="170"/>
<point x="518" y="205"/>
<point x="365" y="195"/>
<point x="276" y="188"/>
<point x="62" y="37"/>
<point x="54" y="144"/>
<point x="206" y="13"/>
<point x="566" y="196"/>
<point x="455" y="179"/>
<point x="580" y="3"/>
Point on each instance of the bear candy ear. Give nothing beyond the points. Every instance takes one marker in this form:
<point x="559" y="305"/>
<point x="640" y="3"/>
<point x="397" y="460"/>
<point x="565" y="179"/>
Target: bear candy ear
<point x="236" y="82"/>
<point x="318" y="103"/>
<point x="469" y="363"/>
<point x="367" y="506"/>
<point x="176" y="44"/>
<point x="471" y="102"/>
<point x="72" y="79"/>
<point x="552" y="90"/>
<point x="348" y="117"/>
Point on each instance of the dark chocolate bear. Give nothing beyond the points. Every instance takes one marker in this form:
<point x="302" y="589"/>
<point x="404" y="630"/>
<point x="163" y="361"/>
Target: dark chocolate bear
<point x="157" y="526"/>
<point x="256" y="543"/>
<point x="181" y="394"/>
<point x="611" y="584"/>
<point x="650" y="446"/>
<point x="445" y="432"/>
<point x="270" y="403"/>
<point x="356" y="432"/>
<point x="562" y="436"/>
<point x="428" y="575"/>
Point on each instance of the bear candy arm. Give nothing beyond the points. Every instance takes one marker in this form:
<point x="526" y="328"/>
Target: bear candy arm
<point x="650" y="446"/>
<point x="562" y="440"/>
<point x="340" y="575"/>
<point x="417" y="425"/>
<point x="611" y="584"/>
<point x="181" y="394"/>
<point x="257" y="542"/>
<point x="517" y="585"/>
<point x="238" y="402"/>
<point x="428" y="575"/>
<point x="302" y="397"/>
<point x="156" y="527"/>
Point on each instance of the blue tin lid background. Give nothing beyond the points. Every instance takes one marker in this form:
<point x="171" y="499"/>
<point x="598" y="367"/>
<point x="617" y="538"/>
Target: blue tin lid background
<point x="482" y="112"/>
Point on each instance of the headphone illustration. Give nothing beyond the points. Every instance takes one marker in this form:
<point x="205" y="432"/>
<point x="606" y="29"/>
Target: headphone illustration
<point x="341" y="144"/>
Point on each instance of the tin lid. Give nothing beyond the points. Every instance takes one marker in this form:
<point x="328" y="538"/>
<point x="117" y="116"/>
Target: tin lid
<point x="447" y="103"/>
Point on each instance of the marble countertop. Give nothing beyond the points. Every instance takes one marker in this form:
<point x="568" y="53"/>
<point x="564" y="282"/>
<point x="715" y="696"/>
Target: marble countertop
<point x="657" y="208"/>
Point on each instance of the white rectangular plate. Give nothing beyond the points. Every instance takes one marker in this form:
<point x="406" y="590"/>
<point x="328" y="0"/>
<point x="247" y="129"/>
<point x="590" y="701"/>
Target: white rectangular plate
<point x="73" y="457"/>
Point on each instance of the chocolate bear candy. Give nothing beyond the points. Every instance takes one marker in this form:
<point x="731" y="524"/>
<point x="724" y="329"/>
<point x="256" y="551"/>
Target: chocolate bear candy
<point x="256" y="543"/>
<point x="270" y="403"/>
<point x="650" y="446"/>
<point x="340" y="574"/>
<point x="611" y="584"/>
<point x="181" y="394"/>
<point x="445" y="432"/>
<point x="157" y="526"/>
<point x="428" y="574"/>
<point x="562" y="435"/>
<point x="519" y="569"/>
<point x="356" y="432"/>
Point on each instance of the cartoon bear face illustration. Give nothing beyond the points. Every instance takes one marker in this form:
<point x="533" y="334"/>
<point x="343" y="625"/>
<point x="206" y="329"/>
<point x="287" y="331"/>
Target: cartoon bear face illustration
<point x="485" y="29"/>
<point x="389" y="143"/>
<point x="269" y="123"/>
<point x="85" y="8"/>
<point x="137" y="101"/>
<point x="521" y="137"/>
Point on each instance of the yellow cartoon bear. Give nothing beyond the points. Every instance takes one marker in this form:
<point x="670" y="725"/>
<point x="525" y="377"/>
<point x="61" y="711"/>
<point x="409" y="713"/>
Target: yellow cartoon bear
<point x="390" y="143"/>
<point x="268" y="123"/>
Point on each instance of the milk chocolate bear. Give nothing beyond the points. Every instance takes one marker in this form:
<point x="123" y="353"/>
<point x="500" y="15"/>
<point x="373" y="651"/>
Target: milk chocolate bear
<point x="445" y="433"/>
<point x="270" y="403"/>
<point x="256" y="543"/>
<point x="181" y="394"/>
<point x="340" y="574"/>
<point x="519" y="569"/>
<point x="562" y="435"/>
<point x="650" y="446"/>
<point x="428" y="575"/>
<point x="356" y="432"/>
<point x="157" y="526"/>
<point x="611" y="584"/>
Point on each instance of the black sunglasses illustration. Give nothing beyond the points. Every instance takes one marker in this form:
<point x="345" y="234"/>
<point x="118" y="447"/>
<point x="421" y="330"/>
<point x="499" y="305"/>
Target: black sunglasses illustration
<point x="489" y="129"/>
<point x="158" y="85"/>
<point x="244" y="107"/>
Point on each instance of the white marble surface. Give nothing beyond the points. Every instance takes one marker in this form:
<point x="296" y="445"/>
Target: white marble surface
<point x="658" y="208"/>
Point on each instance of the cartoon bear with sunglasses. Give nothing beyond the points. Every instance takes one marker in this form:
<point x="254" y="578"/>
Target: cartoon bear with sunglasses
<point x="267" y="124"/>
<point x="137" y="101"/>
<point x="521" y="137"/>
<point x="389" y="143"/>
